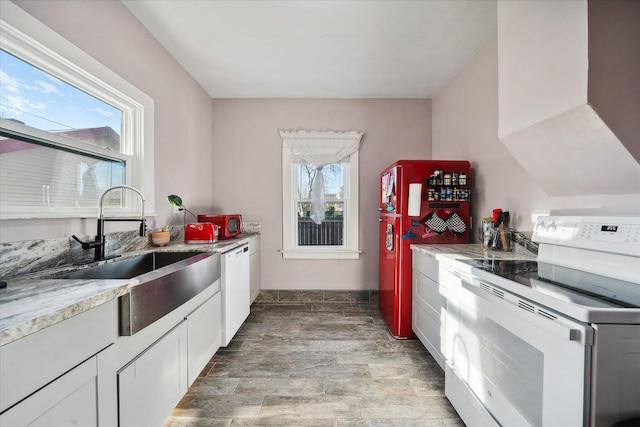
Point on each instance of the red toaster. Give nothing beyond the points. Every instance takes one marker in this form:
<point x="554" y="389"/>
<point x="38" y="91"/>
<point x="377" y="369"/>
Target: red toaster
<point x="201" y="232"/>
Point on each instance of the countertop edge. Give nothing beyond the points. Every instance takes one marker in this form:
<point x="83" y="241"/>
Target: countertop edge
<point x="469" y="250"/>
<point x="47" y="308"/>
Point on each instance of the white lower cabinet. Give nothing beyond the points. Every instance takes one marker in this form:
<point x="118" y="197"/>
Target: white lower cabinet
<point x="71" y="400"/>
<point x="254" y="259"/>
<point x="429" y="303"/>
<point x="178" y="347"/>
<point x="80" y="372"/>
<point x="204" y="335"/>
<point x="153" y="383"/>
<point x="59" y="376"/>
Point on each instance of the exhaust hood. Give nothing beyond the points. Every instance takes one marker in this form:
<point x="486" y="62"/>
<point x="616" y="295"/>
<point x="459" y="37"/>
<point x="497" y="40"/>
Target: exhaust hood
<point x="546" y="118"/>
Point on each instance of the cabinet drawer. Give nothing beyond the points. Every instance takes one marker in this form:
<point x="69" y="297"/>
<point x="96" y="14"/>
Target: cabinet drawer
<point x="429" y="295"/>
<point x="71" y="399"/>
<point x="430" y="332"/>
<point x="425" y="264"/>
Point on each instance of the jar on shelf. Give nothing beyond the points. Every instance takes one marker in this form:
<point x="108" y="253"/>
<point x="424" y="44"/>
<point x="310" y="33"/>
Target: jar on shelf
<point x="446" y="180"/>
<point x="449" y="194"/>
<point x="462" y="178"/>
<point x="438" y="175"/>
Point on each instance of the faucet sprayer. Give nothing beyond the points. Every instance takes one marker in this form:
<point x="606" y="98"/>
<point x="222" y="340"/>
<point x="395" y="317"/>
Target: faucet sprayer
<point x="99" y="242"/>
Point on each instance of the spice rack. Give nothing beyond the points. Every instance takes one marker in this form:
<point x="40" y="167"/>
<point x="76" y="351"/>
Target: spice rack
<point x="450" y="186"/>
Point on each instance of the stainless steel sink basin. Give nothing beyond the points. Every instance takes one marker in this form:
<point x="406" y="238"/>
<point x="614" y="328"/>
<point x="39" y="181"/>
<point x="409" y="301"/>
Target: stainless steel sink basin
<point x="166" y="281"/>
<point x="127" y="268"/>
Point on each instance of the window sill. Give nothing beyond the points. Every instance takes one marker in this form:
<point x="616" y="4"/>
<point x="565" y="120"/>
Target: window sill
<point x="320" y="254"/>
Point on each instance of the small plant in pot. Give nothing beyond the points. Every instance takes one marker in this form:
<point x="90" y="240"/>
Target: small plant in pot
<point x="162" y="236"/>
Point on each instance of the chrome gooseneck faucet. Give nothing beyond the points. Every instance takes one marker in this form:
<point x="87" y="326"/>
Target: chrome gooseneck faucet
<point x="99" y="243"/>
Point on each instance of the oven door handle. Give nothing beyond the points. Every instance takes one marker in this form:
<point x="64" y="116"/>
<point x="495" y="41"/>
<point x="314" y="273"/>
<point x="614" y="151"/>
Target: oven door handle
<point x="543" y="317"/>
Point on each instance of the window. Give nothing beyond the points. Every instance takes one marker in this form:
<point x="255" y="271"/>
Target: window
<point x="320" y="194"/>
<point x="328" y="231"/>
<point x="69" y="127"/>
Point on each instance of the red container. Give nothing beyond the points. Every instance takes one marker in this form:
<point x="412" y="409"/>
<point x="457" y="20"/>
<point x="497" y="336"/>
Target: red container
<point x="230" y="224"/>
<point x="200" y="232"/>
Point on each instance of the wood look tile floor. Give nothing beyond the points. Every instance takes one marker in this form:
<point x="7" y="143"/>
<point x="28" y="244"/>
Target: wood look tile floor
<point x="317" y="364"/>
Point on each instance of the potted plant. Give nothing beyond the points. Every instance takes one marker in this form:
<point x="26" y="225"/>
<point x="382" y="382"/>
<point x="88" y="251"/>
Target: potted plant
<point x="162" y="236"/>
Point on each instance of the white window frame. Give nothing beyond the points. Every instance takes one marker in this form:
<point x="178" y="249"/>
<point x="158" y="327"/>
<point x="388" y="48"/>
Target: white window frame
<point x="27" y="38"/>
<point x="350" y="247"/>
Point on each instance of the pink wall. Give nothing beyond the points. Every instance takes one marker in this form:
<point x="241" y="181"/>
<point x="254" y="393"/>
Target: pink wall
<point x="107" y="31"/>
<point x="247" y="174"/>
<point x="465" y="125"/>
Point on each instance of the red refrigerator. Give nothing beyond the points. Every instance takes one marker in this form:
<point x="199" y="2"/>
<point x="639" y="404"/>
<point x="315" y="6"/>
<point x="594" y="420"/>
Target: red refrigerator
<point x="421" y="202"/>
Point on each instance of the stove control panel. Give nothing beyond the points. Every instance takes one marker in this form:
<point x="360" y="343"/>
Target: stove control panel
<point x="606" y="234"/>
<point x="609" y="232"/>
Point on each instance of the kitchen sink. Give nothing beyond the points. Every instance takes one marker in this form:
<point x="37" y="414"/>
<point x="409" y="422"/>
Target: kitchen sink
<point x="128" y="268"/>
<point x="166" y="280"/>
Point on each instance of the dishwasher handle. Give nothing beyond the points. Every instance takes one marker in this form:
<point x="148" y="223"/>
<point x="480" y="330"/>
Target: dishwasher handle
<point x="241" y="250"/>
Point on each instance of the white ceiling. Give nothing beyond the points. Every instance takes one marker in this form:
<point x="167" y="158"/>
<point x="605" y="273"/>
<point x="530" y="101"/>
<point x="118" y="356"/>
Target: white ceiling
<point x="319" y="48"/>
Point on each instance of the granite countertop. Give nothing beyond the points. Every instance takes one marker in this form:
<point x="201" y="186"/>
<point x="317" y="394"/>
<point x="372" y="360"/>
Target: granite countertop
<point x="29" y="305"/>
<point x="471" y="250"/>
<point x="32" y="302"/>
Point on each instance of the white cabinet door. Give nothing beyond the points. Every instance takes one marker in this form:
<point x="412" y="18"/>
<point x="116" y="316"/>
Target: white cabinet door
<point x="429" y="303"/>
<point x="35" y="360"/>
<point x="70" y="400"/>
<point x="204" y="335"/>
<point x="152" y="384"/>
<point x="254" y="254"/>
<point x="428" y="313"/>
<point x="235" y="291"/>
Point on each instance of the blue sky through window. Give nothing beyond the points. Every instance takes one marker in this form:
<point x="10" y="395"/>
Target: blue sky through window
<point x="333" y="179"/>
<point x="42" y="101"/>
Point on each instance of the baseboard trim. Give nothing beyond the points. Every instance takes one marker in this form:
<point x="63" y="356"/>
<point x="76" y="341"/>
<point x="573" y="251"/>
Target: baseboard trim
<point x="317" y="296"/>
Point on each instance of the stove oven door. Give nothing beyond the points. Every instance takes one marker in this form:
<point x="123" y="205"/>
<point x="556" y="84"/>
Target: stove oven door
<point x="510" y="362"/>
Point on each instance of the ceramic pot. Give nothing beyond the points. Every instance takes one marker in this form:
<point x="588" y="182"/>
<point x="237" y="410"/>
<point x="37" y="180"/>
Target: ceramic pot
<point x="160" y="238"/>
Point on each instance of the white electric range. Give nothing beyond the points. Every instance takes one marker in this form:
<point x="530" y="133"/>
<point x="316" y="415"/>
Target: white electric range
<point x="550" y="342"/>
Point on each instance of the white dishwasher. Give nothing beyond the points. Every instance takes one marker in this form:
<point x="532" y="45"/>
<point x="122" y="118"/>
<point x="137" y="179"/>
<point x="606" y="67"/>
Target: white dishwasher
<point x="235" y="291"/>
